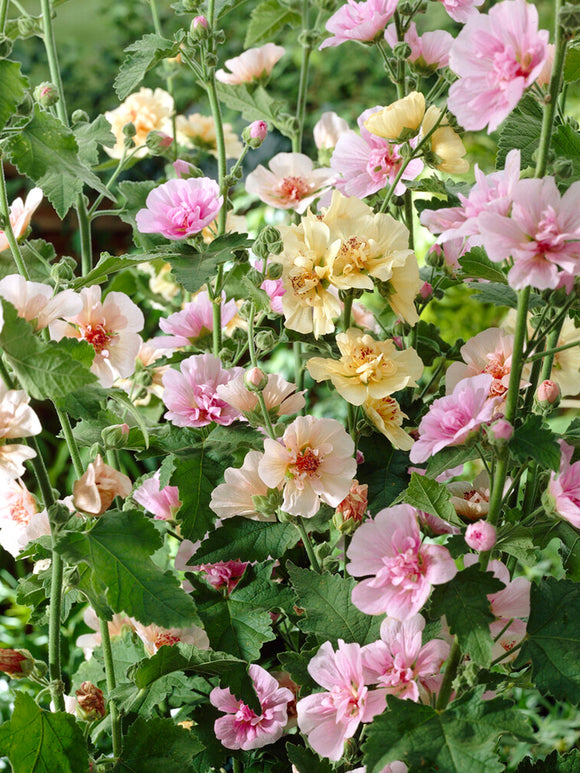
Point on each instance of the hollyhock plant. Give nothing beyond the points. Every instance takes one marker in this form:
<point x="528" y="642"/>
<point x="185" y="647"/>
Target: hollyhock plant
<point x="180" y="208"/>
<point x="94" y="491"/>
<point x="362" y="21"/>
<point x="497" y="56"/>
<point x="280" y="396"/>
<point x="330" y="718"/>
<point x="563" y="494"/>
<point x="193" y="321"/>
<point x="20" y="215"/>
<point x="313" y="461"/>
<point x="162" y="502"/>
<point x="291" y="182"/>
<point x="20" y="521"/>
<point x="148" y="111"/>
<point x="236" y="495"/>
<point x="241" y="727"/>
<point x="251" y="65"/>
<point x="36" y="302"/>
<point x="329" y="128"/>
<point x="488" y="352"/>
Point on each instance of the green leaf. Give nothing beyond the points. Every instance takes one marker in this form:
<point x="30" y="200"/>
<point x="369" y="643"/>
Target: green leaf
<point x="566" y="144"/>
<point x="572" y="64"/>
<point x="533" y="440"/>
<point x="306" y="761"/>
<point x="552" y="642"/>
<point x="13" y="87"/>
<point x="192" y="267"/>
<point x="518" y="542"/>
<point x="255" y="105"/>
<point x="384" y="470"/>
<point x="127" y="649"/>
<point x="143" y="55"/>
<point x="107" y="265"/>
<point x="554" y="763"/>
<point x="195" y="490"/>
<point x="572" y="433"/>
<point x="448" y="458"/>
<point x="460" y="739"/>
<point x="432" y="497"/>
<point x="464" y="603"/>
<point x="90" y="135"/>
<point x="246" y="540"/>
<point x="118" y="549"/>
<point x="329" y="611"/>
<point x="296" y="663"/>
<point x="213" y="757"/>
<point x="267" y="20"/>
<point x="476" y="265"/>
<point x="157" y="744"/>
<point x="521" y="130"/>
<point x="37" y="741"/>
<point x="498" y="294"/>
<point x="48" y="153"/>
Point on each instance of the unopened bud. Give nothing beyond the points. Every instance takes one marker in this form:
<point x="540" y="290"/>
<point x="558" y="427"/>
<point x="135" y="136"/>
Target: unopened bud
<point x="563" y="168"/>
<point x="198" y="29"/>
<point x="158" y="142"/>
<point x="269" y="242"/>
<point x="46" y="94"/>
<point x="129" y="130"/>
<point x="481" y="536"/>
<point x="255" y="134"/>
<point x="500" y="432"/>
<point x="64" y="270"/>
<point x="351" y="511"/>
<point x="402" y="50"/>
<point x="266" y="340"/>
<point x="274" y="271"/>
<point x="548" y="396"/>
<point x="184" y="170"/>
<point x="255" y="380"/>
<point x="91" y="702"/>
<point x="435" y="257"/>
<point x="28" y="26"/>
<point x="79" y="116"/>
<point x="16" y="663"/>
<point x="5" y="46"/>
<point x="426" y="290"/>
<point x="115" y="436"/>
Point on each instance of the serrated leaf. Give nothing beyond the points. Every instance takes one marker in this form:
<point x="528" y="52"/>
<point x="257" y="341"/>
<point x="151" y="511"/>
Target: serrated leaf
<point x="157" y="744"/>
<point x="255" y="105"/>
<point x="328" y="609"/>
<point x="213" y="757"/>
<point x="296" y="663"/>
<point x="464" y="603"/>
<point x="143" y="54"/>
<point x="266" y="20"/>
<point x="572" y="64"/>
<point x="48" y="153"/>
<point x="107" y="265"/>
<point x="566" y="144"/>
<point x="195" y="490"/>
<point x="192" y="267"/>
<point x="13" y="87"/>
<point x="431" y="497"/>
<point x="517" y="542"/>
<point x="552" y="641"/>
<point x="572" y="433"/>
<point x="521" y="130"/>
<point x="533" y="440"/>
<point x="476" y="265"/>
<point x="384" y="470"/>
<point x="37" y="741"/>
<point x="498" y="294"/>
<point x="306" y="761"/>
<point x="448" y="458"/>
<point x="246" y="540"/>
<point x="118" y="549"/>
<point x="90" y="135"/>
<point x="554" y="763"/>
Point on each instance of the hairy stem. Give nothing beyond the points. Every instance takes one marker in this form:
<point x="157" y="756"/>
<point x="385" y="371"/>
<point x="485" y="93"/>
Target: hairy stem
<point x="450" y="673"/>
<point x="111" y="684"/>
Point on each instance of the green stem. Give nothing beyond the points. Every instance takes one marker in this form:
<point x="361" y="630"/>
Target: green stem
<point x="9" y="233"/>
<point x="347" y="308"/>
<point x="216" y="299"/>
<point x="450" y="673"/>
<point x="3" y="14"/>
<point x="111" y="684"/>
<point x="70" y="441"/>
<point x="388" y="68"/>
<point x="302" y="84"/>
<point x="308" y="545"/>
<point x="54" y="666"/>
<point x="553" y="349"/>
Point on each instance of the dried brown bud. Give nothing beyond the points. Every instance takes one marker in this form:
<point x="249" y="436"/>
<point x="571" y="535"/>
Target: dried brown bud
<point x="91" y="701"/>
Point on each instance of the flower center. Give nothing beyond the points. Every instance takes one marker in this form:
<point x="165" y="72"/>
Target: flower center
<point x="304" y="283"/>
<point x="166" y="639"/>
<point x="307" y="462"/>
<point x="383" y="163"/>
<point x="294" y="188"/>
<point x="184" y="219"/>
<point x="19" y="513"/>
<point x="98" y="337"/>
<point x="352" y="255"/>
<point x="245" y="714"/>
<point x="549" y="237"/>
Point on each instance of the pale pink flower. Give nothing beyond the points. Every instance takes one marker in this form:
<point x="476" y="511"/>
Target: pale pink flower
<point x="291" y="182"/>
<point x="162" y="502"/>
<point x="274" y="288"/>
<point x="367" y="163"/>
<point x="193" y="321"/>
<point x="481" y="536"/>
<point x="429" y="51"/>
<point x="190" y="393"/>
<point x="111" y="327"/>
<point x="564" y="487"/>
<point x="20" y="215"/>
<point x="154" y="636"/>
<point x="251" y="64"/>
<point x="461" y="10"/>
<point x="452" y="419"/>
<point x="17" y="420"/>
<point x="545" y="75"/>
<point x="542" y="234"/>
<point x="36" y="301"/>
<point x="223" y="574"/>
<point x="329" y="718"/>
<point x="20" y="521"/>
<point x="359" y="21"/>
<point x="279" y="395"/>
<point x="398" y="662"/>
<point x="402" y="569"/>
<point x="241" y="727"/>
<point x="90" y="641"/>
<point x="497" y="56"/>
<point x="180" y="208"/>
<point x="314" y="462"/>
<point x="328" y="130"/>
<point x="95" y="490"/>
<point x="235" y="496"/>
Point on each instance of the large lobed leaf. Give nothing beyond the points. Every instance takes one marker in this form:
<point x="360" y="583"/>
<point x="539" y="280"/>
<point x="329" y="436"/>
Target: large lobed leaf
<point x="13" y="86"/>
<point x="143" y="54"/>
<point x="431" y="497"/>
<point x="157" y="744"/>
<point x="246" y="540"/>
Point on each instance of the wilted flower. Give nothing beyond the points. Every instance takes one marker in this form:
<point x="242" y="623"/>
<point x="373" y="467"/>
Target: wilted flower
<point x="252" y="64"/>
<point x="94" y="491"/>
<point x="147" y="110"/>
<point x="222" y="574"/>
<point x="180" y="208"/>
<point x="91" y="701"/>
<point x="16" y="663"/>
<point x="355" y="504"/>
<point x="20" y="215"/>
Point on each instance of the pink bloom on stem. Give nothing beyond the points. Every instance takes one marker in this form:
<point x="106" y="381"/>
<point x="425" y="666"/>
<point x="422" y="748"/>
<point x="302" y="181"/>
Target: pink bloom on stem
<point x="291" y="182"/>
<point x="542" y="234"/>
<point x="330" y="718"/>
<point x="258" y="130"/>
<point x="500" y="432"/>
<point x="20" y="521"/>
<point x="398" y="662"/>
<point x="497" y="56"/>
<point x="481" y="536"/>
<point x="403" y="570"/>
<point x="359" y="21"/>
<point x="36" y="301"/>
<point x="429" y="51"/>
<point x="278" y="394"/>
<point x="564" y="487"/>
<point x="241" y="727"/>
<point x="367" y="163"/>
<point x="20" y="215"/>
<point x="193" y="321"/>
<point x="154" y="636"/>
<point x="180" y="208"/>
<point x="251" y="65"/>
<point x="548" y="393"/>
<point x="236" y="495"/>
<point x="452" y="419"/>
<point x="190" y="392"/>
<point x="461" y="10"/>
<point x="274" y="288"/>
<point x="223" y="574"/>
<point x="162" y="502"/>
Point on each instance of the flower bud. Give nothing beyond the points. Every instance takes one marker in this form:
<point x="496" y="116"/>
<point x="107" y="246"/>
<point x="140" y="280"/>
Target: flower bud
<point x="184" y="170"/>
<point x="79" y="116"/>
<point x="115" y="436"/>
<point x="28" y="26"/>
<point x="255" y="380"/>
<point x="350" y="512"/>
<point x="16" y="663"/>
<point x="402" y="50"/>
<point x="93" y="493"/>
<point x="255" y="134"/>
<point x="198" y="29"/>
<point x="435" y="257"/>
<point x="426" y="290"/>
<point x="129" y="130"/>
<point x="548" y="392"/>
<point x="158" y="142"/>
<point x="274" y="271"/>
<point x="191" y="6"/>
<point x="91" y="702"/>
<point x="5" y="46"/>
<point x="499" y="433"/>
<point x="268" y="242"/>
<point x="64" y="270"/>
<point x="46" y="94"/>
<point x="481" y="536"/>
<point x="360" y="457"/>
<point x="266" y="340"/>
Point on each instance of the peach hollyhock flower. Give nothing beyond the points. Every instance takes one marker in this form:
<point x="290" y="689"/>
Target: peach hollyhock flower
<point x="20" y="521"/>
<point x="386" y="415"/>
<point x="497" y="56"/>
<point x="112" y="328"/>
<point x="16" y="663"/>
<point x="313" y="460"/>
<point x="35" y="301"/>
<point x="20" y="215"/>
<point x="17" y="420"/>
<point x="241" y="727"/>
<point x="90" y="641"/>
<point x="154" y="636"/>
<point x="279" y="395"/>
<point x="291" y="182"/>
<point x="93" y="492"/>
<point x="180" y="208"/>
<point x="355" y="504"/>
<point x="148" y="111"/>
<point x="446" y="148"/>
<point x="162" y="502"/>
<point x="429" y="52"/>
<point x="563" y="494"/>
<point x="252" y="64"/>
<point x="362" y="21"/>
<point x="329" y="718"/>
<point x="401" y="117"/>
<point x="198" y="131"/>
<point x="402" y="569"/>
<point x="236" y="495"/>
<point x="367" y="368"/>
<point x="193" y="321"/>
<point x="328" y="130"/>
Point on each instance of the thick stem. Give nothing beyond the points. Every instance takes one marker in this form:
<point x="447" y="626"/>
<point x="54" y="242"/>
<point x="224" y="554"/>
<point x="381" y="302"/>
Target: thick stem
<point x="308" y="545"/>
<point x="450" y="673"/>
<point x="302" y="84"/>
<point x="3" y="14"/>
<point x="70" y="441"/>
<point x="54" y="668"/>
<point x="111" y="684"/>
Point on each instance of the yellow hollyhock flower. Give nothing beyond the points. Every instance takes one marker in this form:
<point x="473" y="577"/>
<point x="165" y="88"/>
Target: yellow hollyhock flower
<point x="398" y="121"/>
<point x="446" y="144"/>
<point x="387" y="417"/>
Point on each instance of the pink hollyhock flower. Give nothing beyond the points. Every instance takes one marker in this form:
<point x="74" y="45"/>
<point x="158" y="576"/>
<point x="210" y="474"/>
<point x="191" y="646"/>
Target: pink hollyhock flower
<point x="481" y="535"/>
<point x="429" y="51"/>
<point x="193" y="321"/>
<point x="359" y="21"/>
<point x="180" y="208"/>
<point x="275" y="289"/>
<point x="367" y="163"/>
<point x="20" y="521"/>
<point x="17" y="420"/>
<point x="432" y="525"/>
<point x="90" y="641"/>
<point x="314" y="462"/>
<point x="542" y="234"/>
<point x="451" y="420"/>
<point x="111" y="327"/>
<point x="404" y="570"/>
<point x="241" y="727"/>
<point x="279" y="395"/>
<point x="20" y="215"/>
<point x="461" y="10"/>
<point x="330" y="718"/>
<point x="398" y="662"/>
<point x="291" y="182"/>
<point x="162" y="502"/>
<point x="223" y="574"/>
<point x="545" y="75"/>
<point x="191" y="396"/>
<point x="154" y="636"/>
<point x="252" y="64"/>
<point x="236" y="495"/>
<point x="497" y="56"/>
<point x="564" y="487"/>
<point x="35" y="301"/>
<point x="328" y="130"/>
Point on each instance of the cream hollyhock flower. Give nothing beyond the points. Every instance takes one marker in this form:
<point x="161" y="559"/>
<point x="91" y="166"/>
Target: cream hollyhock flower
<point x="387" y="417"/>
<point x="93" y="492"/>
<point x="20" y="215"/>
<point x="279" y="395"/>
<point x="446" y="144"/>
<point x="403" y="117"/>
<point x="566" y="367"/>
<point x="35" y="301"/>
<point x="313" y="460"/>
<point x="402" y="288"/>
<point x="148" y="111"/>
<point x="235" y="496"/>
<point x="17" y="420"/>
<point x="367" y="368"/>
<point x="251" y="64"/>
<point x="198" y="131"/>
